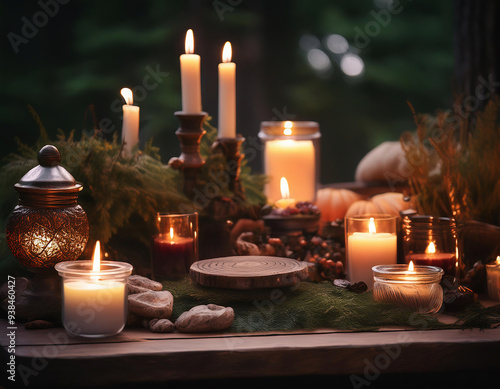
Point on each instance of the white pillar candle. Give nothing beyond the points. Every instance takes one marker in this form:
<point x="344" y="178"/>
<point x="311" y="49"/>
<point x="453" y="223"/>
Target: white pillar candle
<point x="130" y="124"/>
<point x="190" y="77"/>
<point x="227" y="94"/>
<point x="97" y="307"/>
<point x="368" y="249"/>
<point x="295" y="160"/>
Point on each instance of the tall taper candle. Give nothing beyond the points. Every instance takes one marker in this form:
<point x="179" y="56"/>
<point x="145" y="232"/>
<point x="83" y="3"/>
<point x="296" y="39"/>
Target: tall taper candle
<point x="227" y="94"/>
<point x="130" y="124"/>
<point x="190" y="77"/>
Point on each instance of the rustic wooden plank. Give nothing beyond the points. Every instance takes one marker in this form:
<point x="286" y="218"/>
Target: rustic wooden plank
<point x="263" y="356"/>
<point x="248" y="272"/>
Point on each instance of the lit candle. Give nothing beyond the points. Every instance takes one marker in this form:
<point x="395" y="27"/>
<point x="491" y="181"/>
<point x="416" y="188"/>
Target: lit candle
<point x="416" y="287"/>
<point x="285" y="200"/>
<point x="130" y="125"/>
<point x="190" y="77"/>
<point x="431" y="257"/>
<point x="368" y="249"/>
<point x="172" y="255"/>
<point x="293" y="159"/>
<point x="493" y="279"/>
<point x="227" y="94"/>
<point x="94" y="295"/>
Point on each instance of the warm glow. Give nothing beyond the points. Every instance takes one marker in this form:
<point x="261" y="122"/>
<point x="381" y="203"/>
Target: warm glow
<point x="171" y="233"/>
<point x="410" y="266"/>
<point x="227" y="52"/>
<point x="371" y="226"/>
<point x="498" y="260"/>
<point x="288" y="128"/>
<point x="96" y="260"/>
<point x="285" y="191"/>
<point x="431" y="249"/>
<point x="127" y="95"/>
<point x="189" y="43"/>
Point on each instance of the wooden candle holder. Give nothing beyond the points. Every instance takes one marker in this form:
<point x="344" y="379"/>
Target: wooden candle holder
<point x="230" y="147"/>
<point x="190" y="161"/>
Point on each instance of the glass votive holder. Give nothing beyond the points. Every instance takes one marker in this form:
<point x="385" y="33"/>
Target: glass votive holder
<point x="370" y="240"/>
<point x="94" y="302"/>
<point x="175" y="245"/>
<point x="431" y="241"/>
<point x="417" y="289"/>
<point x="291" y="150"/>
<point x="493" y="279"/>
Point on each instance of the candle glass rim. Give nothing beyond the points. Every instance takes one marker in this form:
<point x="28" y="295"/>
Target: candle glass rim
<point x="375" y="216"/>
<point x="301" y="130"/>
<point x="83" y="268"/>
<point x="493" y="266"/>
<point x="175" y="214"/>
<point x="398" y="272"/>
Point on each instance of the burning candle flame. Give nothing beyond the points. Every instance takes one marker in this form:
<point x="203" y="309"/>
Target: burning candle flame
<point x="498" y="260"/>
<point x="127" y="95"/>
<point x="410" y="266"/>
<point x="189" y="42"/>
<point x="96" y="260"/>
<point x="288" y="128"/>
<point x="285" y="191"/>
<point x="371" y="226"/>
<point x="171" y="233"/>
<point x="227" y="53"/>
<point x="431" y="249"/>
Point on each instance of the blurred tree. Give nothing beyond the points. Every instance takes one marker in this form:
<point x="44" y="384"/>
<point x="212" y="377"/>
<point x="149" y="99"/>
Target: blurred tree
<point x="88" y="50"/>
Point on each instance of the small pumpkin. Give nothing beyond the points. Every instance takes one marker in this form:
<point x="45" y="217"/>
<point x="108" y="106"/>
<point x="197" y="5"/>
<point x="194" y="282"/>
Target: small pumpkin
<point x="391" y="203"/>
<point x="333" y="203"/>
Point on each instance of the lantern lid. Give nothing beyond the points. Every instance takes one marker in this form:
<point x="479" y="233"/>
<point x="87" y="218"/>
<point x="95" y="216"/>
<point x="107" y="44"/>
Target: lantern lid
<point x="48" y="181"/>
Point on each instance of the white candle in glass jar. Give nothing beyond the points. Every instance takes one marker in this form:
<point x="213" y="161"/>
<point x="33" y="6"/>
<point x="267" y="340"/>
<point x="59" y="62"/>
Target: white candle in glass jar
<point x="368" y="249"/>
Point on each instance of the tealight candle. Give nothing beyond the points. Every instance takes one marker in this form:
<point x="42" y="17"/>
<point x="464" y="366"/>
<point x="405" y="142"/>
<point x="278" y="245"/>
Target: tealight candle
<point x="416" y="287"/>
<point x="370" y="241"/>
<point x="94" y="296"/>
<point x="493" y="279"/>
<point x="285" y="200"/>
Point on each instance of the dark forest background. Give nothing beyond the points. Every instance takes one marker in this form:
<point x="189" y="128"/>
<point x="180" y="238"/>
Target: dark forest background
<point x="79" y="58"/>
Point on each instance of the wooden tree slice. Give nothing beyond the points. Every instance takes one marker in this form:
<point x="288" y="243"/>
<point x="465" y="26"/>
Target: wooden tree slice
<point x="248" y="272"/>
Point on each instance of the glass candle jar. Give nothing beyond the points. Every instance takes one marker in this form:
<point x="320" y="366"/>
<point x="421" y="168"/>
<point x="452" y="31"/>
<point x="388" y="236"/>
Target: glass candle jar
<point x="94" y="302"/>
<point x="175" y="246"/>
<point x="417" y="289"/>
<point x="370" y="240"/>
<point x="431" y="241"/>
<point x="291" y="150"/>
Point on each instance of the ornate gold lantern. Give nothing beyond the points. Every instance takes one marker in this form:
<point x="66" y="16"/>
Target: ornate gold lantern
<point x="47" y="226"/>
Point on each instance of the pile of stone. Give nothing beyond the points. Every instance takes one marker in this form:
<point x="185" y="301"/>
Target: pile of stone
<point x="151" y="306"/>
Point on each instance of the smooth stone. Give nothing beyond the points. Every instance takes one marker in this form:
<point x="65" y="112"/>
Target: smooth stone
<point x="134" y="289"/>
<point x="203" y="318"/>
<point x="137" y="282"/>
<point x="161" y="325"/>
<point x="152" y="304"/>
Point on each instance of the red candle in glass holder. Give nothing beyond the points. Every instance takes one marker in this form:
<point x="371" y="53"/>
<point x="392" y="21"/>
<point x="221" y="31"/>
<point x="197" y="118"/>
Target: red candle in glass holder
<point x="172" y="256"/>
<point x="445" y="261"/>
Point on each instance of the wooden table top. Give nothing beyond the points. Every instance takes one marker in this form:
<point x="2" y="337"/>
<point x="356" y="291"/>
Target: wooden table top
<point x="50" y="356"/>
